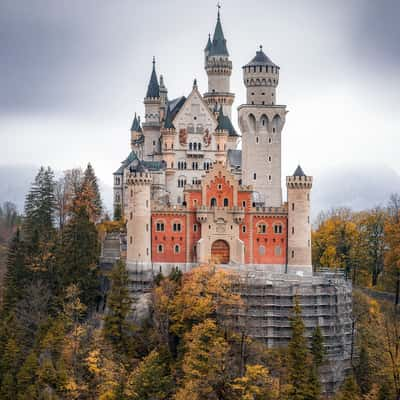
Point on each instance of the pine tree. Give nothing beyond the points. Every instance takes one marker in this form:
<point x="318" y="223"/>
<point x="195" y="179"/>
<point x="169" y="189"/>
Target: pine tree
<point x="16" y="274"/>
<point x="26" y="378"/>
<point x="302" y="375"/>
<point x="317" y="347"/>
<point x="116" y="325"/>
<point x="90" y="194"/>
<point x="78" y="256"/>
<point x="363" y="371"/>
<point x="349" y="390"/>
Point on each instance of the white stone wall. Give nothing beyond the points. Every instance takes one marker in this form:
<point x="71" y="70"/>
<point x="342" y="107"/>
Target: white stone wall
<point x="299" y="224"/>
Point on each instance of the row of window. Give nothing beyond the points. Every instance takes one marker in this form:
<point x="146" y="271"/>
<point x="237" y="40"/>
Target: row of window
<point x="269" y="177"/>
<point x="262" y="228"/>
<point x="195" y="165"/>
<point x="161" y="248"/>
<point x="194" y="146"/>
<point x="277" y="251"/>
<point x="258" y="140"/>
<point x="176" y="226"/>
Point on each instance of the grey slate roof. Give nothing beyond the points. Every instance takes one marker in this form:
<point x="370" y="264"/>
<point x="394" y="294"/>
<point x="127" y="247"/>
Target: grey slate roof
<point x="235" y="158"/>
<point x="218" y="47"/>
<point x="225" y="123"/>
<point x="299" y="172"/>
<point x="132" y="157"/>
<point x="209" y="44"/>
<point x="260" y="59"/>
<point x="134" y="164"/>
<point x="136" y="124"/>
<point x="153" y="90"/>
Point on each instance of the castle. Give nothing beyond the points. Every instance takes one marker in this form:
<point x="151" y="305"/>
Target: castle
<point x="190" y="196"/>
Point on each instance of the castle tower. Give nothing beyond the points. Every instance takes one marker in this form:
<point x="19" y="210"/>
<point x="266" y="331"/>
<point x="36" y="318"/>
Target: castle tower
<point x="138" y="216"/>
<point x="137" y="137"/>
<point x="163" y="98"/>
<point x="219" y="69"/>
<point x="299" y="227"/>
<point x="261" y="122"/>
<point x="151" y="126"/>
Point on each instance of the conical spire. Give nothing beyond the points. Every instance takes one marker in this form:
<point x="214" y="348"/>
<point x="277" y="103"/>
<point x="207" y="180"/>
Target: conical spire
<point x="135" y="124"/>
<point x="299" y="171"/>
<point x="219" y="42"/>
<point x="209" y="44"/>
<point x="153" y="90"/>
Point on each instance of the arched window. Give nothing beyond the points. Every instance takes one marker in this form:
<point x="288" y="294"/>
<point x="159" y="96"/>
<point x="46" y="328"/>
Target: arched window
<point x="160" y="248"/>
<point x="194" y="146"/>
<point x="226" y="202"/>
<point x="213" y="202"/>
<point x="160" y="226"/>
<point x="177" y="227"/>
<point x="278" y="251"/>
<point x="261" y="250"/>
<point x="199" y="146"/>
<point x="244" y="228"/>
<point x="278" y="228"/>
<point x="190" y="146"/>
<point x="177" y="249"/>
<point x="261" y="227"/>
<point x="252" y="122"/>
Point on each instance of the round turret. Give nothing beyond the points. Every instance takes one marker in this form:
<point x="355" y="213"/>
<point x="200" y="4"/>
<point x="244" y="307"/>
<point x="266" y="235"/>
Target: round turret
<point x="138" y="216"/>
<point x="261" y="77"/>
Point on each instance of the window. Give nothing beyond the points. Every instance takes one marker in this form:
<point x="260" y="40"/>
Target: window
<point x="254" y="176"/>
<point x="261" y="250"/>
<point x="257" y="139"/>
<point x="292" y="206"/>
<point x="190" y="146"/>
<point x="213" y="202"/>
<point x="131" y="215"/>
<point x="194" y="146"/>
<point x="261" y="228"/>
<point x="278" y="228"/>
<point x="177" y="249"/>
<point x="154" y="142"/>
<point x="160" y="227"/>
<point x="292" y="253"/>
<point x="243" y="204"/>
<point x="160" y="248"/>
<point x="269" y="158"/>
<point x="219" y="186"/>
<point x="176" y="227"/>
<point x="269" y="140"/>
<point x="292" y="230"/>
<point x="273" y="130"/>
<point x="278" y="251"/>
<point x="195" y="228"/>
<point x="147" y="227"/>
<point x="130" y="240"/>
<point x="226" y="202"/>
<point x="131" y="193"/>
<point x="270" y="178"/>
<point x="244" y="228"/>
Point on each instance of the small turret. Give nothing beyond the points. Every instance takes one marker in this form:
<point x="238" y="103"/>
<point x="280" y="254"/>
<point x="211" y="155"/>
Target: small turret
<point x="153" y="114"/>
<point x="207" y="49"/>
<point x="163" y="96"/>
<point x="299" y="226"/>
<point x="138" y="215"/>
<point x="219" y="69"/>
<point x="261" y="78"/>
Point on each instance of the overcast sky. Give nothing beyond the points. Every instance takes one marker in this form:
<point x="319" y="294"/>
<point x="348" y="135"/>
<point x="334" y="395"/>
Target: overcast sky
<point x="72" y="74"/>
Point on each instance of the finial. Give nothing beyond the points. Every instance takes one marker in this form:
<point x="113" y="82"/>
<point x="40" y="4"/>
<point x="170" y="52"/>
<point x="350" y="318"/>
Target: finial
<point x="195" y="83"/>
<point x="219" y="7"/>
<point x="154" y="62"/>
<point x="261" y="47"/>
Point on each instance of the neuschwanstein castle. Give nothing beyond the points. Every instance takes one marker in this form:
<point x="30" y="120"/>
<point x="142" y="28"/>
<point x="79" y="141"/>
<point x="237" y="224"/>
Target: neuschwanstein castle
<point x="189" y="196"/>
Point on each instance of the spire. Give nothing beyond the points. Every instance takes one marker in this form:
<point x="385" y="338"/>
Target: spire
<point x="135" y="124"/>
<point x="219" y="42"/>
<point x="195" y="83"/>
<point x="224" y="123"/>
<point x="209" y="44"/>
<point x="299" y="172"/>
<point x="153" y="90"/>
<point x="168" y="120"/>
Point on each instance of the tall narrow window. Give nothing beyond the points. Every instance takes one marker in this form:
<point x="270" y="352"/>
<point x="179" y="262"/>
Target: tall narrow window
<point x="226" y="202"/>
<point x="213" y="202"/>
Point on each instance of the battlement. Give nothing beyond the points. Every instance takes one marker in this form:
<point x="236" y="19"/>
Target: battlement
<point x="139" y="178"/>
<point x="299" y="182"/>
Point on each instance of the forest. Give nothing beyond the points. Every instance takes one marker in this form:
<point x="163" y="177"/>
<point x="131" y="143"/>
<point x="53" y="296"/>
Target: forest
<point x="58" y="340"/>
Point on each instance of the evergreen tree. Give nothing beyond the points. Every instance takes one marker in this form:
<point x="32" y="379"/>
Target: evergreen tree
<point x="78" y="256"/>
<point x="349" y="390"/>
<point x="317" y="347"/>
<point x="26" y="378"/>
<point x="16" y="274"/>
<point x="363" y="371"/>
<point x="116" y="325"/>
<point x="40" y="206"/>
<point x="90" y="194"/>
<point x="302" y="375"/>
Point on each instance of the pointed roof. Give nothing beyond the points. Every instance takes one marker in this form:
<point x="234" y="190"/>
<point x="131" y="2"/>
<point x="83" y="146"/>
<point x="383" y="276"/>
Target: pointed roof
<point x="224" y="123"/>
<point x="218" y="47"/>
<point x="209" y="44"/>
<point x="168" y="120"/>
<point x="260" y="59"/>
<point x="135" y="124"/>
<point x="153" y="90"/>
<point x="299" y="172"/>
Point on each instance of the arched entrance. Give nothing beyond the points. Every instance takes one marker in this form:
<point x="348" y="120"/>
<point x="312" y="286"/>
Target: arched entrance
<point x="220" y="252"/>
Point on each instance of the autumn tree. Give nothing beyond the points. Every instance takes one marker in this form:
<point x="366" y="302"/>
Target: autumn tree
<point x="349" y="390"/>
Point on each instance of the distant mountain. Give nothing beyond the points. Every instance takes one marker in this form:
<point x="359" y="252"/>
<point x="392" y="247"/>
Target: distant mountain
<point x="356" y="187"/>
<point x="15" y="181"/>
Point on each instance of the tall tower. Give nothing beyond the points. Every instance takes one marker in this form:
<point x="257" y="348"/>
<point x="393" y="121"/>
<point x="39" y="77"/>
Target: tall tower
<point x="151" y="126"/>
<point x="138" y="216"/>
<point x="261" y="122"/>
<point x="219" y="69"/>
<point x="299" y="227"/>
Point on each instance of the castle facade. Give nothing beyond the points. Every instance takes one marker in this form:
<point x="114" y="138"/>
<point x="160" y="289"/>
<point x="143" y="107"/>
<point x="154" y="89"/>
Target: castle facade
<point x="190" y="196"/>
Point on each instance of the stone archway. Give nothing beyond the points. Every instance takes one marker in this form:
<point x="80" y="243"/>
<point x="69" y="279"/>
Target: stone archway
<point x="220" y="252"/>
